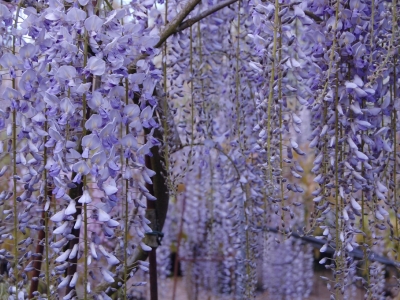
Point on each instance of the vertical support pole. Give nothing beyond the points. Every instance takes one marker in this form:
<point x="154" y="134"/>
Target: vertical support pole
<point x="153" y="274"/>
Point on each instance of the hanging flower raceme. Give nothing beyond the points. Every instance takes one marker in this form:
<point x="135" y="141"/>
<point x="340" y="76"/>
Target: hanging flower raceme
<point x="68" y="125"/>
<point x="223" y="106"/>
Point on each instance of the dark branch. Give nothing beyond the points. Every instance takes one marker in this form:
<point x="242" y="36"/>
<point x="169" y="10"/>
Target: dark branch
<point x="357" y="253"/>
<point x="171" y="27"/>
<point x="204" y="14"/>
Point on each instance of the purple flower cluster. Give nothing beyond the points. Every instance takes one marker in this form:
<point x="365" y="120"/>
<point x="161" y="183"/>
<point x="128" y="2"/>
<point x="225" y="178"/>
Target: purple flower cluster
<point x="81" y="121"/>
<point x="237" y="101"/>
<point x="339" y="62"/>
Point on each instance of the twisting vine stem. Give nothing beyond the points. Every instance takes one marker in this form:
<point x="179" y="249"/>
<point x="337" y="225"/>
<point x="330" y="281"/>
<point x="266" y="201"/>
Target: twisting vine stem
<point x="126" y="225"/>
<point x="85" y="218"/>
<point x="337" y="204"/>
<point x="271" y="85"/>
<point x="14" y="147"/>
<point x="333" y="50"/>
<point x="394" y="132"/>
<point x="46" y="222"/>
<point x="372" y="30"/>
<point x="246" y="203"/>
<point x="280" y="78"/>
<point x="394" y="126"/>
